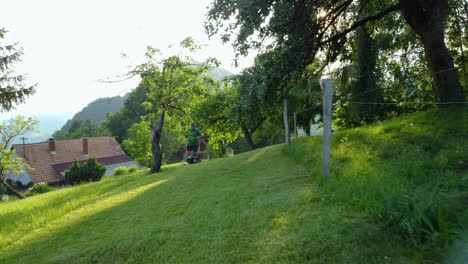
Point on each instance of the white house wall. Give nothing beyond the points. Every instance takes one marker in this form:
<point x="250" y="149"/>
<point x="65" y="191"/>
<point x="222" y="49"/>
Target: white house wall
<point x="110" y="168"/>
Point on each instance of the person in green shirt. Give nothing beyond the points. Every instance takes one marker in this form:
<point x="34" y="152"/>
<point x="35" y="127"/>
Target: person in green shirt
<point x="192" y="136"/>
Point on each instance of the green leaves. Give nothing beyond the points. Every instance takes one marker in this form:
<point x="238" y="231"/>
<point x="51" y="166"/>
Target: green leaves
<point x="90" y="170"/>
<point x="213" y="114"/>
<point x="175" y="85"/>
<point x="13" y="89"/>
<point x="138" y="143"/>
<point x="10" y="163"/>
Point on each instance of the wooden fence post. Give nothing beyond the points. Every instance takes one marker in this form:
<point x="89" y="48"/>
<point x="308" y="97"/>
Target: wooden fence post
<point x="327" y="87"/>
<point x="286" y="122"/>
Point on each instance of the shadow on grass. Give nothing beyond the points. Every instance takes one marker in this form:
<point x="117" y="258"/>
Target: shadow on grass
<point x="22" y="217"/>
<point x="83" y="221"/>
<point x="219" y="212"/>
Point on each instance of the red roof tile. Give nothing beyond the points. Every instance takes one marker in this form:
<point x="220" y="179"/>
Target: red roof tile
<point x="41" y="160"/>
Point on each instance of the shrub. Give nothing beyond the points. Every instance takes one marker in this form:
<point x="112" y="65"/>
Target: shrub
<point x="132" y="169"/>
<point x="41" y="187"/>
<point x="72" y="175"/>
<point x="91" y="170"/>
<point x="120" y="171"/>
<point x="17" y="185"/>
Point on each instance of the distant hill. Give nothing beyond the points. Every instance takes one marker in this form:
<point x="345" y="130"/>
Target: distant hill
<point x="220" y="73"/>
<point x="96" y="111"/>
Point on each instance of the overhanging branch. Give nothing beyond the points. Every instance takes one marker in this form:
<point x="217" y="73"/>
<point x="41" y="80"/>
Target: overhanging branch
<point x="178" y="109"/>
<point x="390" y="9"/>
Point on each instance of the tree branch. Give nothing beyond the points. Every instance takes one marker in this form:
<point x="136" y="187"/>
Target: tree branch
<point x="390" y="9"/>
<point x="177" y="108"/>
<point x="128" y="77"/>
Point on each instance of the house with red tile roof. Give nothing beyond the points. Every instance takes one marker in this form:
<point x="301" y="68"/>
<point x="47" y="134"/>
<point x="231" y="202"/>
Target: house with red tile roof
<point x="51" y="159"/>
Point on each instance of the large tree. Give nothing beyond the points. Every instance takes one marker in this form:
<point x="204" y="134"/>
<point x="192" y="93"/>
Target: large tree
<point x="213" y="114"/>
<point x="248" y="110"/>
<point x="175" y="84"/>
<point x="13" y="89"/>
<point x="299" y="30"/>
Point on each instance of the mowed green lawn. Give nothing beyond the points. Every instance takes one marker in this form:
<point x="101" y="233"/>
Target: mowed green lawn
<point x="255" y="207"/>
<point x="397" y="195"/>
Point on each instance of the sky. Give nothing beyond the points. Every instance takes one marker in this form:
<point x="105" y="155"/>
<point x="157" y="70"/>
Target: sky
<point x="70" y="45"/>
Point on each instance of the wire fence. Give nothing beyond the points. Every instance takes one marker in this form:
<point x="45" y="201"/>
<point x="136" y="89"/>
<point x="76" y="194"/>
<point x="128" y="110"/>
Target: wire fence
<point x="348" y="100"/>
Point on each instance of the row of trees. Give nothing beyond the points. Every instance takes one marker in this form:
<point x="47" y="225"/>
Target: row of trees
<point x="392" y="55"/>
<point x="382" y="73"/>
<point x="175" y="91"/>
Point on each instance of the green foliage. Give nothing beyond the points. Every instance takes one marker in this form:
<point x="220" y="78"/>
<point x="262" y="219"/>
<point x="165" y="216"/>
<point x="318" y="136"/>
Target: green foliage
<point x="213" y="115"/>
<point x="132" y="169"/>
<point x="248" y="109"/>
<point x="13" y="89"/>
<point x="90" y="171"/>
<point x="80" y="129"/>
<point x="131" y="113"/>
<point x="138" y="143"/>
<point x="73" y="174"/>
<point x="173" y="140"/>
<point x="39" y="188"/>
<point x="457" y="37"/>
<point x="299" y="33"/>
<point x="10" y="163"/>
<point x="120" y="171"/>
<point x="93" y="170"/>
<point x="16" y="185"/>
<point x="175" y="84"/>
<point x="131" y="125"/>
<point x="95" y="112"/>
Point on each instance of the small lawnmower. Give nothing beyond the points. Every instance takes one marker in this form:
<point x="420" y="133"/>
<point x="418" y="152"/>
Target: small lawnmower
<point x="195" y="157"/>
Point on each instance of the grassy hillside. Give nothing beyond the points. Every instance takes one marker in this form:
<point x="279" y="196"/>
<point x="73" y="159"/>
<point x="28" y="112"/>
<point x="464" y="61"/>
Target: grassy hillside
<point x="266" y="206"/>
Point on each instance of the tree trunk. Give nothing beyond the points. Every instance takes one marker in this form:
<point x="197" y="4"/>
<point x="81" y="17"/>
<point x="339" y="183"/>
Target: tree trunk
<point x="286" y="121"/>
<point x="446" y="81"/>
<point x="364" y="89"/>
<point x="427" y="19"/>
<point x="16" y="193"/>
<point x="248" y="138"/>
<point x="155" y="142"/>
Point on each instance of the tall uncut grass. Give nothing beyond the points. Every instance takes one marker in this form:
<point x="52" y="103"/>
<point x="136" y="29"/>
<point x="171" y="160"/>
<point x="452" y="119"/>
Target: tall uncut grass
<point x="410" y="173"/>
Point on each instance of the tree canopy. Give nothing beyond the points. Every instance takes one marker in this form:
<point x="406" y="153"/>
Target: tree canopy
<point x="299" y="31"/>
<point x="13" y="88"/>
<point x="175" y="85"/>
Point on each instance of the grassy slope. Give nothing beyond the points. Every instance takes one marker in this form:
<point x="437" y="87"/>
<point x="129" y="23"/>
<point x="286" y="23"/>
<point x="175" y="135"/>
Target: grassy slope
<point x="261" y="206"/>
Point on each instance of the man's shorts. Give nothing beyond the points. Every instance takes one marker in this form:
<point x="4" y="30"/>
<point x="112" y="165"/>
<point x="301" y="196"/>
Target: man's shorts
<point x="192" y="148"/>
